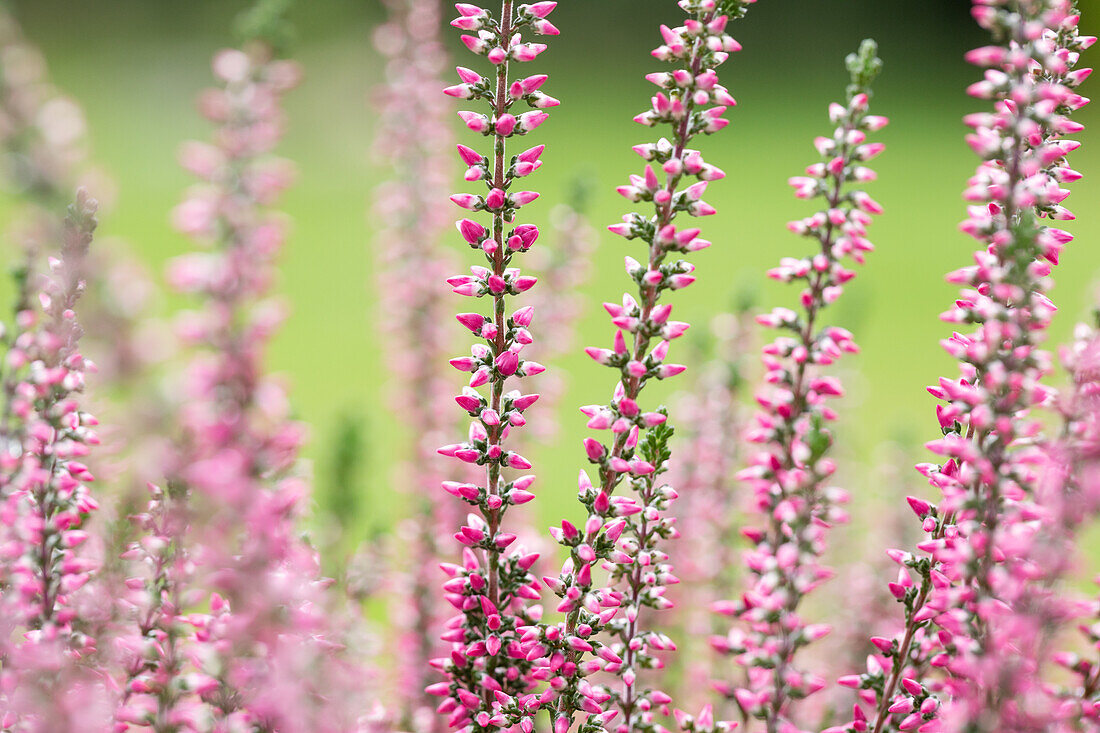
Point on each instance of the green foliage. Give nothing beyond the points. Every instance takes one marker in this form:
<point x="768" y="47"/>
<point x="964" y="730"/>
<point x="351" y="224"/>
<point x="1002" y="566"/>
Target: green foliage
<point x="176" y="490"/>
<point x="864" y="65"/>
<point x="344" y="492"/>
<point x="654" y="446"/>
<point x="581" y="190"/>
<point x="266" y="21"/>
<point x="746" y="297"/>
<point x="733" y="8"/>
<point x="819" y="439"/>
<point x="20" y="275"/>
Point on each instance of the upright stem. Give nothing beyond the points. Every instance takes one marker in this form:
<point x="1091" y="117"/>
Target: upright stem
<point x="499" y="315"/>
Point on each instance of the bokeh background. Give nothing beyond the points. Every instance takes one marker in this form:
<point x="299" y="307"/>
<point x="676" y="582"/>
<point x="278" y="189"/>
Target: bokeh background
<point x="136" y="66"/>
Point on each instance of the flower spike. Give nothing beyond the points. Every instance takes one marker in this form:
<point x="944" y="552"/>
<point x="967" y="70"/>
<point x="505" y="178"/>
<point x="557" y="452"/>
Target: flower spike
<point x="605" y="627"/>
<point x="790" y="473"/>
<point x="490" y="680"/>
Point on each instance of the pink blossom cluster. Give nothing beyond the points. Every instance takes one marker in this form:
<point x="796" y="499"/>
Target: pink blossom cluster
<point x="979" y="608"/>
<point x="259" y="658"/>
<point x="413" y="143"/>
<point x="48" y="674"/>
<point x="44" y="139"/>
<point x="1083" y="697"/>
<point x="152" y="659"/>
<point x="489" y="677"/>
<point x="624" y="533"/>
<point x="709" y="450"/>
<point x="201" y="609"/>
<point x="888" y="522"/>
<point x="1075" y="496"/>
<point x="790" y="475"/>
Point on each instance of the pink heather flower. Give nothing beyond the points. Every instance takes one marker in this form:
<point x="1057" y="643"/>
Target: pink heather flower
<point x="154" y="653"/>
<point x="489" y="678"/>
<point x="789" y="475"/>
<point x="861" y="575"/>
<point x="45" y="499"/>
<point x="624" y="534"/>
<point x="998" y="601"/>
<point x="45" y="131"/>
<point x="262" y="654"/>
<point x="709" y="505"/>
<point x="413" y="139"/>
<point x="978" y="602"/>
<point x="1039" y="556"/>
<point x="1073" y="497"/>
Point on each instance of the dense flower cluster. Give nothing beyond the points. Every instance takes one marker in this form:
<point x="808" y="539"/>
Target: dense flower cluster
<point x="967" y="611"/>
<point x="152" y="658"/>
<point x="413" y="142"/>
<point x="45" y="499"/>
<point x="708" y="452"/>
<point x="489" y="675"/>
<point x="624" y="533"/>
<point x="790" y="475"/>
<point x="1074" y="499"/>
<point x="43" y="137"/>
<point x="42" y="134"/>
<point x="198" y="608"/>
<point x="1084" y="697"/>
<point x="886" y="521"/>
<point x="259" y="657"/>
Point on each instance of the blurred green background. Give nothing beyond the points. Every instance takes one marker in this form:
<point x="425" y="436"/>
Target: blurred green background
<point x="136" y="66"/>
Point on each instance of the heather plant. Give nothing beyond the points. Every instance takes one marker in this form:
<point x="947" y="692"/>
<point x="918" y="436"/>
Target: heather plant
<point x="625" y="533"/>
<point x="888" y="520"/>
<point x="43" y="137"/>
<point x="964" y="597"/>
<point x="488" y="674"/>
<point x="790" y="474"/>
<point x="1073" y="498"/>
<point x="414" y="141"/>
<point x="1003" y="621"/>
<point x="45" y="148"/>
<point x="45" y="154"/>
<point x="46" y="499"/>
<point x="206" y="610"/>
<point x="259" y="656"/>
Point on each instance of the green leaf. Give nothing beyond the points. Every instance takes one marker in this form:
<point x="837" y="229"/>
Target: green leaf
<point x="863" y="65"/>
<point x="266" y="21"/>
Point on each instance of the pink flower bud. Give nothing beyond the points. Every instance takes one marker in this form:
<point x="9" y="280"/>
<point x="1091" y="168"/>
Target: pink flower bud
<point x="507" y="363"/>
<point x="471" y="231"/>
